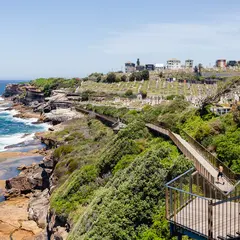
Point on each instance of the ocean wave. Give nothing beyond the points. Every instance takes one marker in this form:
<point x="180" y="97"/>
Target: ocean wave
<point x="1" y="99"/>
<point x="19" y="136"/>
<point x="6" y="140"/>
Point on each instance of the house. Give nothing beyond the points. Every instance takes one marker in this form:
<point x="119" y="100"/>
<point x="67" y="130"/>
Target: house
<point x="140" y="68"/>
<point x="221" y="63"/>
<point x="189" y="63"/>
<point x="173" y="64"/>
<point x="159" y="67"/>
<point x="130" y="67"/>
<point x="150" y="67"/>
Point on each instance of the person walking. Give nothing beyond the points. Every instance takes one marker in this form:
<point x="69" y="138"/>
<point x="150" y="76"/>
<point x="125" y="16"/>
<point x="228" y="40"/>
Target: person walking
<point x="220" y="174"/>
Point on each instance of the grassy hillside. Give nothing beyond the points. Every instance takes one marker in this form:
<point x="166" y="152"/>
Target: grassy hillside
<point x="112" y="186"/>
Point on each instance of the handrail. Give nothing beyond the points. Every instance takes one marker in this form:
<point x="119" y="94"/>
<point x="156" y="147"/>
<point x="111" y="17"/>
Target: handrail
<point x="215" y="162"/>
<point x="176" y="178"/>
<point x="199" y="167"/>
<point x="183" y="191"/>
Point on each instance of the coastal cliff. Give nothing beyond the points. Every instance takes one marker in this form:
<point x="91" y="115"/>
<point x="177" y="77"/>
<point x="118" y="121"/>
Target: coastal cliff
<point x="96" y="183"/>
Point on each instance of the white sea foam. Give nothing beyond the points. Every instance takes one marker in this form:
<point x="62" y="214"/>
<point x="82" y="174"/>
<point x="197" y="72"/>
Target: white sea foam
<point x="6" y="140"/>
<point x="1" y="99"/>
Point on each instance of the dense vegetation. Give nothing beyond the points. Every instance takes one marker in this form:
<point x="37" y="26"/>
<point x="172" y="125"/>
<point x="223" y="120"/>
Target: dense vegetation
<point x="219" y="134"/>
<point x="49" y="84"/>
<point x="112" y="186"/>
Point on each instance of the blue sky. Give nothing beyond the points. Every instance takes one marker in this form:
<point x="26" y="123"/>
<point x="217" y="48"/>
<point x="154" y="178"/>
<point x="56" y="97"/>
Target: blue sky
<point x="54" y="38"/>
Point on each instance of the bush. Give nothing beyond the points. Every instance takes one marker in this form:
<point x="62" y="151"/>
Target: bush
<point x="128" y="93"/>
<point x="143" y="93"/>
<point x="145" y="75"/>
<point x="63" y="150"/>
<point x="123" y="78"/>
<point x="111" y="78"/>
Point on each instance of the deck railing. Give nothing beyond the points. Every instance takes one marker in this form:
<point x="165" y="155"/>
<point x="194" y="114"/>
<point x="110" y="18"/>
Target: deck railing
<point x="193" y="204"/>
<point x="215" y="162"/>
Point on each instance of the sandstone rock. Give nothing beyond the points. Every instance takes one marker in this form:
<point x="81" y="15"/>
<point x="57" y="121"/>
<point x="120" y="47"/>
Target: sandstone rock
<point x="41" y="236"/>
<point x="22" y="167"/>
<point x="38" y="208"/>
<point x="19" y="183"/>
<point x="31" y="226"/>
<point x="21" y="234"/>
<point x="34" y="177"/>
<point x="48" y="162"/>
<point x="62" y="115"/>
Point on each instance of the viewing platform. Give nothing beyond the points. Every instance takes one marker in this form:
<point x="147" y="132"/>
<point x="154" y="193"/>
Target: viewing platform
<point x="197" y="205"/>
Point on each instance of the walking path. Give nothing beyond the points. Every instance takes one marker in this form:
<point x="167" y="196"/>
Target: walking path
<point x="201" y="163"/>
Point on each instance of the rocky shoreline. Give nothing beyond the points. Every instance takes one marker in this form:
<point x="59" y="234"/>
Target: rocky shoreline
<point x="27" y="196"/>
<point x="20" y="216"/>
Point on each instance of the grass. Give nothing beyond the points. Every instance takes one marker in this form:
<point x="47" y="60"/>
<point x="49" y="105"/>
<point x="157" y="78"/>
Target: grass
<point x="153" y="89"/>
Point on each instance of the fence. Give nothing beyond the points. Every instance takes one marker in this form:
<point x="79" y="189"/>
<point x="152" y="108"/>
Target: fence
<point x="197" y="206"/>
<point x="215" y="162"/>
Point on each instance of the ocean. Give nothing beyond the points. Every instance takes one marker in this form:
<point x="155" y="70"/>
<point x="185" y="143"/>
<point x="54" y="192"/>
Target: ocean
<point x="15" y="130"/>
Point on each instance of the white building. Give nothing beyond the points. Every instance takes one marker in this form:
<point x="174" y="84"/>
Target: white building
<point x="159" y="67"/>
<point x="173" y="64"/>
<point x="189" y="63"/>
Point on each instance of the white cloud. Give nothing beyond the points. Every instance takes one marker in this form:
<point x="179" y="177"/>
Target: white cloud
<point x="183" y="40"/>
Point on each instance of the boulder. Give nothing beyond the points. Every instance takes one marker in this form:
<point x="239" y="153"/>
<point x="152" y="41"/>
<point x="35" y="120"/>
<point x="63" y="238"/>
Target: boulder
<point x="31" y="178"/>
<point x="48" y="162"/>
<point x="38" y="208"/>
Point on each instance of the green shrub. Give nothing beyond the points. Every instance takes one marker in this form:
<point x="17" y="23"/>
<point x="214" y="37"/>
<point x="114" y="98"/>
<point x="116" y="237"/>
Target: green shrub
<point x="63" y="150"/>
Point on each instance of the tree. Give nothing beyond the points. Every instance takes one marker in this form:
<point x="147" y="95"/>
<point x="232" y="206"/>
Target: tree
<point x="143" y="93"/>
<point x="111" y="78"/>
<point x="132" y="77"/>
<point x="145" y="74"/>
<point x="138" y="76"/>
<point x="129" y="93"/>
<point x="123" y="78"/>
<point x="138" y="62"/>
<point x="200" y="67"/>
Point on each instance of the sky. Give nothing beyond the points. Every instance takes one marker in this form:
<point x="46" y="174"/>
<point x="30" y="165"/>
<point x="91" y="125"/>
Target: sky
<point x="73" y="38"/>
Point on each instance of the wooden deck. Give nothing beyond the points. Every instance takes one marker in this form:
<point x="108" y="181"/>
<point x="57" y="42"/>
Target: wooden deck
<point x="187" y="149"/>
<point x="194" y="216"/>
<point x="204" y="162"/>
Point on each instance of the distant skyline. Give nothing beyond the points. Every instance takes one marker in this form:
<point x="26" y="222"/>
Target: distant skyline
<point x="73" y="38"/>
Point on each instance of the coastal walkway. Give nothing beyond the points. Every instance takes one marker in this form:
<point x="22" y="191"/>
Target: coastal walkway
<point x="201" y="163"/>
<point x="197" y="205"/>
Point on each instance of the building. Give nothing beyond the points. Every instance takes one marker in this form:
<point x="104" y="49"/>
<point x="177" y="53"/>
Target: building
<point x="221" y="63"/>
<point x="150" y="67"/>
<point x="189" y="63"/>
<point x="159" y="67"/>
<point x="232" y="63"/>
<point x="173" y="64"/>
<point x="140" y="68"/>
<point x="130" y="67"/>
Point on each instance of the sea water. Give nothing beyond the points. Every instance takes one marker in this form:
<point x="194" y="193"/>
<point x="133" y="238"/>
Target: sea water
<point x="15" y="130"/>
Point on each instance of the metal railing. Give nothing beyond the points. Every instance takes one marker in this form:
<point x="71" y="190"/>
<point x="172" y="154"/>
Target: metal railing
<point x="199" y="167"/>
<point x="214" y="161"/>
<point x="199" y="207"/>
<point x="229" y="174"/>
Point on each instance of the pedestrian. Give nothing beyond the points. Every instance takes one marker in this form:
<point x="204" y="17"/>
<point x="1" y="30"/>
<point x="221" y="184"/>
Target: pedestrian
<point x="220" y="173"/>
